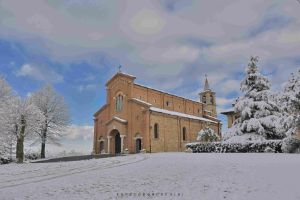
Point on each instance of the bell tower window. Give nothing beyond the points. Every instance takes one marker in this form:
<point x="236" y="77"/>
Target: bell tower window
<point x="211" y="99"/>
<point x="204" y="99"/>
<point x="119" y="103"/>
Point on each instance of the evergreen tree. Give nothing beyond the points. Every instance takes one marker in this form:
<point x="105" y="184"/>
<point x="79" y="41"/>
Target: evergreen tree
<point x="258" y="114"/>
<point x="289" y="100"/>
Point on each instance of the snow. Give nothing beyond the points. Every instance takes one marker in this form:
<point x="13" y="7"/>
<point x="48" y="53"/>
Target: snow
<point x="120" y="120"/>
<point x="258" y="113"/>
<point x="180" y="114"/>
<point x="126" y="74"/>
<point x="207" y="135"/>
<point x="143" y="102"/>
<point x="245" y="138"/>
<point x="226" y="111"/>
<point x="193" y="176"/>
<point x="173" y="112"/>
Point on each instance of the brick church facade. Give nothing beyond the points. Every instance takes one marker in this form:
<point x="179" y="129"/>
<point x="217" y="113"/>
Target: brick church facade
<point x="136" y="117"/>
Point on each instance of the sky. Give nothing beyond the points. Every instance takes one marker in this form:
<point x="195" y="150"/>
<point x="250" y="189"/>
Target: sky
<point x="77" y="45"/>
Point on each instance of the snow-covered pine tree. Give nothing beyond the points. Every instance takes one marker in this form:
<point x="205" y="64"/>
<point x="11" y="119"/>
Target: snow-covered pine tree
<point x="258" y="114"/>
<point x="289" y="101"/>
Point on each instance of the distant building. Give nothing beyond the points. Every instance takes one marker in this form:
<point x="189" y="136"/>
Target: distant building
<point x="136" y="117"/>
<point x="231" y="116"/>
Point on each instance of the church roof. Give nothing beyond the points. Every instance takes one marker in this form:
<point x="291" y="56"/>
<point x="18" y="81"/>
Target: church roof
<point x="137" y="84"/>
<point x="168" y="112"/>
<point x="121" y="74"/>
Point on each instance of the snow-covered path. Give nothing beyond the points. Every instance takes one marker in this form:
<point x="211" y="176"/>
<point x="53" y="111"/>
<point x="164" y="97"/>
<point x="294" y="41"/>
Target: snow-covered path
<point x="191" y="176"/>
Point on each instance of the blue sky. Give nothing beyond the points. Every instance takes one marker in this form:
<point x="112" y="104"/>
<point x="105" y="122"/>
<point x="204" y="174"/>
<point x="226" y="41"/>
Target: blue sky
<point x="170" y="45"/>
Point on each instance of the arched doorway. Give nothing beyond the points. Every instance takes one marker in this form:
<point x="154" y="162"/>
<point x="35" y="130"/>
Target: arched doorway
<point x="117" y="143"/>
<point x="138" y="145"/>
<point x="101" y="146"/>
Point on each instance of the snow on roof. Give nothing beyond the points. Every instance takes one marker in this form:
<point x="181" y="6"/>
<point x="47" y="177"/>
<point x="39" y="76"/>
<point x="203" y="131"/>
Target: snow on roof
<point x="127" y="74"/>
<point x="167" y="93"/>
<point x="119" y="119"/>
<point x="207" y="111"/>
<point x="212" y="117"/>
<point x="227" y="111"/>
<point x="144" y="102"/>
<point x="180" y="114"/>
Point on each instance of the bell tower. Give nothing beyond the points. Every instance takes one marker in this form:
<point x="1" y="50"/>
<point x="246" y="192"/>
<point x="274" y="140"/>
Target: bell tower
<point x="208" y="98"/>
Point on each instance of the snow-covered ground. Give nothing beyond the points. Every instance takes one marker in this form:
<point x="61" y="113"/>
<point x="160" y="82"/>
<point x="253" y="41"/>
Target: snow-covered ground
<point x="187" y="176"/>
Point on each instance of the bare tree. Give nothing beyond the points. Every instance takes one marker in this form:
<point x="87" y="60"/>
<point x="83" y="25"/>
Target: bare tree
<point x="22" y="120"/>
<point x="56" y="115"/>
<point x="5" y="91"/>
<point x="6" y="95"/>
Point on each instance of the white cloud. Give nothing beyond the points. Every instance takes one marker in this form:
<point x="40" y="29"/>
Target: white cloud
<point x="77" y="132"/>
<point x="223" y="102"/>
<point x="88" y="87"/>
<point x="38" y="73"/>
<point x="147" y="22"/>
<point x="150" y="40"/>
<point x="228" y="86"/>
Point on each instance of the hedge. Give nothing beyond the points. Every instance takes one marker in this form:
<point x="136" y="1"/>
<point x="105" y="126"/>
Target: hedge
<point x="223" y="147"/>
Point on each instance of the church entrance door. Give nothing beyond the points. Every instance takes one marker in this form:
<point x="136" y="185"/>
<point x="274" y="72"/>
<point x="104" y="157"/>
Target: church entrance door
<point x="138" y="145"/>
<point x="117" y="143"/>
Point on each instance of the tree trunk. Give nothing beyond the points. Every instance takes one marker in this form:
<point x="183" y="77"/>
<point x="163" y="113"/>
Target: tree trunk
<point x="20" y="149"/>
<point x="20" y="142"/>
<point x="43" y="144"/>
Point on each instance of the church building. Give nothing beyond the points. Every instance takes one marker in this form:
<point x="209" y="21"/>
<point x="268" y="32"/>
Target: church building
<point x="136" y="118"/>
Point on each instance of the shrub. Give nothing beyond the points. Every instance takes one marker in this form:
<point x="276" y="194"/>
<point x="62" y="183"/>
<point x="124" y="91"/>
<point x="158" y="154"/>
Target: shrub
<point x="207" y="135"/>
<point x="4" y="160"/>
<point x="32" y="156"/>
<point x="249" y="147"/>
<point x="291" y="145"/>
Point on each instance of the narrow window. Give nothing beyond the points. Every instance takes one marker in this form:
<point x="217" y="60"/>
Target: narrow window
<point x="167" y="103"/>
<point x="204" y="99"/>
<point x="183" y="133"/>
<point x="212" y="99"/>
<point x="119" y="103"/>
<point x="156" y="131"/>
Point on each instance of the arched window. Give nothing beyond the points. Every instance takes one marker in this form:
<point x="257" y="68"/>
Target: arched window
<point x="204" y="99"/>
<point x="119" y="103"/>
<point x="156" y="131"/>
<point x="211" y="99"/>
<point x="183" y="133"/>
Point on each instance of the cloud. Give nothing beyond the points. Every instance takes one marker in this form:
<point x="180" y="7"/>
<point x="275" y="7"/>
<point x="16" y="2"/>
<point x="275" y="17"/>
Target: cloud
<point x="38" y="73"/>
<point x="77" y="132"/>
<point x="223" y="102"/>
<point x="167" y="44"/>
<point x="88" y="87"/>
<point x="147" y="22"/>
